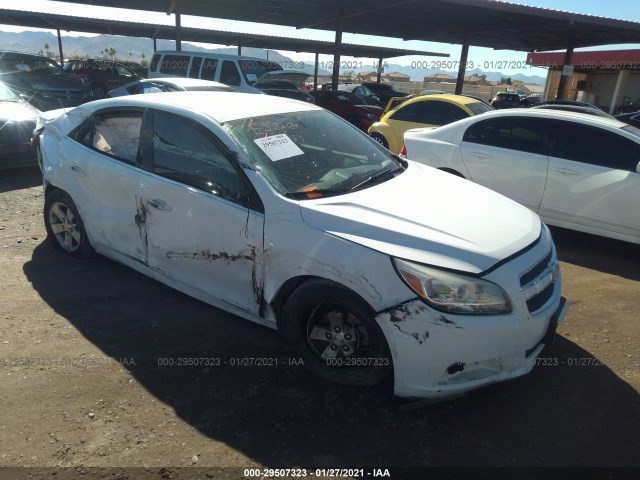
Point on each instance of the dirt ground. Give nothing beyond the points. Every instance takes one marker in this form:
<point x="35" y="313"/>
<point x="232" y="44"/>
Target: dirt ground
<point x="84" y="381"/>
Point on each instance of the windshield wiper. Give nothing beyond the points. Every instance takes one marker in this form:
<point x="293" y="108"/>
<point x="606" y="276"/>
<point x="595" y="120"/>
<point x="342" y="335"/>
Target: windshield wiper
<point x="316" y="193"/>
<point x="376" y="177"/>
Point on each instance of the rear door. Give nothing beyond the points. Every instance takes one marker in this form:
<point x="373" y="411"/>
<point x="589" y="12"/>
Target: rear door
<point x="508" y="155"/>
<point x="105" y="173"/>
<point x="592" y="178"/>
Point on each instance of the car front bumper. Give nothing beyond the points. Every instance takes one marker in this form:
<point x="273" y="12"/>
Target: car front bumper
<point x="439" y="355"/>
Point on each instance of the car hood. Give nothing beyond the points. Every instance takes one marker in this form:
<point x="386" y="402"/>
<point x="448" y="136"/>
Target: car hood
<point x="45" y="82"/>
<point x="429" y="216"/>
<point x="17" y="111"/>
<point x="291" y="76"/>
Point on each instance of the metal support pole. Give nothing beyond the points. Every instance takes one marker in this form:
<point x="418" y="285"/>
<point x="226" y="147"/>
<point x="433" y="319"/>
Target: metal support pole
<point x="60" y="47"/>
<point x="336" y="54"/>
<point x="463" y="64"/>
<point x="568" y="56"/>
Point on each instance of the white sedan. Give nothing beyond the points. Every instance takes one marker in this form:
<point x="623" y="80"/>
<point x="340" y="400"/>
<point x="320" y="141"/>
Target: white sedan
<point x="576" y="171"/>
<point x="169" y="84"/>
<point x="282" y="213"/>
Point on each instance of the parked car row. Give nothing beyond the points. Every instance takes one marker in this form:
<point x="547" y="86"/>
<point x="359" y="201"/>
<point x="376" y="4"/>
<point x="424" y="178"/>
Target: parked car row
<point x="369" y="263"/>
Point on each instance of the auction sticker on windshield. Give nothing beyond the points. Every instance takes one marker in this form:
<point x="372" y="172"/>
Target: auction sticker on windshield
<point x="278" y="147"/>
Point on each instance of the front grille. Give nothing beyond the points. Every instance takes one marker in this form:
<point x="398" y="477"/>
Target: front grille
<point x="535" y="272"/>
<point x="538" y="301"/>
<point x="538" y="282"/>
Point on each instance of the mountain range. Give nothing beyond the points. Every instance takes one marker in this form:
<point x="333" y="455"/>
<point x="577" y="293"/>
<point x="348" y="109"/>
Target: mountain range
<point x="141" y="49"/>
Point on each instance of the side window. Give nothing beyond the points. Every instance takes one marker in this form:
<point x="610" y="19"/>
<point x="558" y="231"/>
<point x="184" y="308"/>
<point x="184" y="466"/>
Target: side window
<point x="194" y="71"/>
<point x="183" y="153"/>
<point x="175" y="65"/>
<point x="410" y="113"/>
<point x="514" y="133"/>
<point x="441" y="113"/>
<point x="209" y="69"/>
<point x="124" y="72"/>
<point x="592" y="145"/>
<point x="229" y="73"/>
<point x="116" y="134"/>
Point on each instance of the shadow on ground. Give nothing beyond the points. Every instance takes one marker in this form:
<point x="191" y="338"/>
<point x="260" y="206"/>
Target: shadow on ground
<point x="19" y="178"/>
<point x="560" y="414"/>
<point x="598" y="253"/>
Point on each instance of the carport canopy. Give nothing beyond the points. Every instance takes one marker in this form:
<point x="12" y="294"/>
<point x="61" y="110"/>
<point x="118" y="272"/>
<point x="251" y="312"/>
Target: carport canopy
<point x="484" y="23"/>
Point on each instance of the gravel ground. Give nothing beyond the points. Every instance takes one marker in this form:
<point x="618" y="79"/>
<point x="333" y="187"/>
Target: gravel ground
<point x="83" y="384"/>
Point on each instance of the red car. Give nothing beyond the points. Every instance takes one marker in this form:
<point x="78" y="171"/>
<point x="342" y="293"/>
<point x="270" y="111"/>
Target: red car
<point x="348" y="106"/>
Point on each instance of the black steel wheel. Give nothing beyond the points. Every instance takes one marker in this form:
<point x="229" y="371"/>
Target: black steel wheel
<point x="335" y="333"/>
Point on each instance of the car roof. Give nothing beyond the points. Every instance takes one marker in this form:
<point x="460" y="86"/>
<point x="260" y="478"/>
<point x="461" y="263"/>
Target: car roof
<point x="548" y="113"/>
<point x="182" y="81"/>
<point x="219" y="106"/>
<point x="463" y="99"/>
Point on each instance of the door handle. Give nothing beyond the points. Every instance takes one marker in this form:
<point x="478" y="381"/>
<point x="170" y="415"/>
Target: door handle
<point x="78" y="171"/>
<point x="566" y="171"/>
<point x="159" y="204"/>
<point x="481" y="155"/>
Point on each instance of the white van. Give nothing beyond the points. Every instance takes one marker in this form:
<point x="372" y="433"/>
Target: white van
<point x="239" y="72"/>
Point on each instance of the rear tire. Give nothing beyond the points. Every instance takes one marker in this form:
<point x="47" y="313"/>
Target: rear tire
<point x="335" y="333"/>
<point x="65" y="229"/>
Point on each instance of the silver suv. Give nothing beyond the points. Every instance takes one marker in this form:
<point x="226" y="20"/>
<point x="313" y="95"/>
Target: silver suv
<point x="41" y="81"/>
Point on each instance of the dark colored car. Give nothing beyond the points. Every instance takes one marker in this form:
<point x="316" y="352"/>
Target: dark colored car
<point x="574" y="103"/>
<point x="348" y="106"/>
<point x="630" y="107"/>
<point x="17" y="121"/>
<point x="101" y="75"/>
<point x="574" y="108"/>
<point x="41" y="81"/>
<point x="505" y="100"/>
<point x="384" y="91"/>
<point x="284" y="83"/>
<point x="530" y="101"/>
<point x="632" y="118"/>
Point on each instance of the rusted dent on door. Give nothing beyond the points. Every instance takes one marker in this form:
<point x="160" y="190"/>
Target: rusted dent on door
<point x="210" y="256"/>
<point x="140" y="218"/>
<point x="251" y="254"/>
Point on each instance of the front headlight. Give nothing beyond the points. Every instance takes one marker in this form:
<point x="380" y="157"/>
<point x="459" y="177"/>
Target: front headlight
<point x="453" y="293"/>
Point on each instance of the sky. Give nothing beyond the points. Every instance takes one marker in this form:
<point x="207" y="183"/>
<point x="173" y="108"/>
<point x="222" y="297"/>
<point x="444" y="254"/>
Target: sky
<point x="482" y="57"/>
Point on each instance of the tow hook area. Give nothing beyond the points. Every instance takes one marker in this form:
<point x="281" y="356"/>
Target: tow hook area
<point x="455" y="368"/>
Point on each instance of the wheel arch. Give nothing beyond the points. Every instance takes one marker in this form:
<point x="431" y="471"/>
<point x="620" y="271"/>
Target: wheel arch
<point x="292" y="284"/>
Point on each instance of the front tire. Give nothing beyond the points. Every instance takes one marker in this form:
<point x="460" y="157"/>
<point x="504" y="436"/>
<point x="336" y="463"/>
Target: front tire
<point x="380" y="139"/>
<point x="65" y="229"/>
<point x="336" y="335"/>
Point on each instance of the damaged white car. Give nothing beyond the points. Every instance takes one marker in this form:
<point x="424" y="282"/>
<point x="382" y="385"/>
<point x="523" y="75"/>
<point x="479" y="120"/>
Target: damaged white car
<point x="284" y="214"/>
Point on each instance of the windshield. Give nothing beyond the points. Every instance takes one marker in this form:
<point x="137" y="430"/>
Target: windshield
<point x="254" y="69"/>
<point x="478" y="107"/>
<point x="7" y="95"/>
<point x="311" y="154"/>
<point x="37" y="65"/>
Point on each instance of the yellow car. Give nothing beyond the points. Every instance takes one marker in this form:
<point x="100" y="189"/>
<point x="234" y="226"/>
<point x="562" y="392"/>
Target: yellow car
<point x="422" y="111"/>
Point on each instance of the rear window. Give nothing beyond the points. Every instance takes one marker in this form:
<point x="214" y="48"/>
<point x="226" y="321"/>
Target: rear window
<point x="478" y="107"/>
